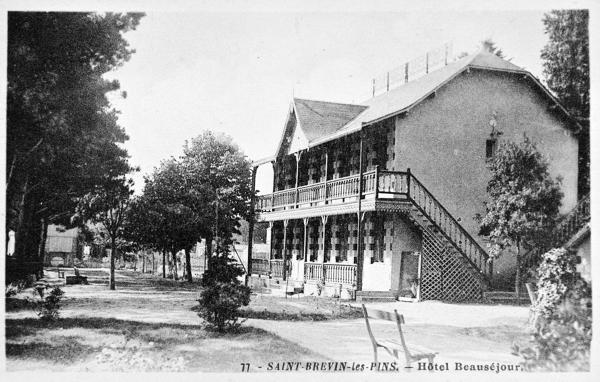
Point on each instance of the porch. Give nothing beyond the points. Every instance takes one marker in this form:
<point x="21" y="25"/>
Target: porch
<point x="308" y="272"/>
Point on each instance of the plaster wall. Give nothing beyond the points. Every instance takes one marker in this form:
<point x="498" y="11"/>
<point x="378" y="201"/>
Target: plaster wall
<point x="443" y="141"/>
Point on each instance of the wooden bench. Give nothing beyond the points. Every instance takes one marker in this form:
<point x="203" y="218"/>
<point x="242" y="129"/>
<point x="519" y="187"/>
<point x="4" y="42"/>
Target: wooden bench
<point x="393" y="346"/>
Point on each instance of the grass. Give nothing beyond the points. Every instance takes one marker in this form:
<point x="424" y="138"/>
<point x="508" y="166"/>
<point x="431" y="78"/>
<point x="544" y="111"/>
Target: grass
<point x="308" y="308"/>
<point x="104" y="344"/>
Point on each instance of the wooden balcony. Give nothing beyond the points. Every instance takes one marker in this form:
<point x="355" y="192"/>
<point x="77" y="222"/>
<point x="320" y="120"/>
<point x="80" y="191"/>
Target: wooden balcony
<point x="382" y="190"/>
<point x="376" y="184"/>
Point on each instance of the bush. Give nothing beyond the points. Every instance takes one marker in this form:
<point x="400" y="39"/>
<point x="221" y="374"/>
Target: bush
<point x="14" y="288"/>
<point x="562" y="331"/>
<point x="222" y="296"/>
<point x="47" y="307"/>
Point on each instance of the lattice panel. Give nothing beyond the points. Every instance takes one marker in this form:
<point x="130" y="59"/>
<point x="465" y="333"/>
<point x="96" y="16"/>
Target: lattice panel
<point x="444" y="275"/>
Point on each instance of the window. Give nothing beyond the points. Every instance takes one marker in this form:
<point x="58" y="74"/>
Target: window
<point x="490" y="148"/>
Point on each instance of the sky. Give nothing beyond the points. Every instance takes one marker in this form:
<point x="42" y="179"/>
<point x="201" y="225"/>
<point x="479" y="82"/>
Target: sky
<point x="236" y="73"/>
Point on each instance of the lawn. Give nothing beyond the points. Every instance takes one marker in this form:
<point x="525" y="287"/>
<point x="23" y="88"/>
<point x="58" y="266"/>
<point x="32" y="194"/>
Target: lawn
<point x="100" y="344"/>
<point x="147" y="324"/>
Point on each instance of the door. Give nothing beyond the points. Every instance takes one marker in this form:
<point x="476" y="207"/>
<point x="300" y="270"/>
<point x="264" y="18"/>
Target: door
<point x="410" y="274"/>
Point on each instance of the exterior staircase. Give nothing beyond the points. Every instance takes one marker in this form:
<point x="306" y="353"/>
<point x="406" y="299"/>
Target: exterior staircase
<point x="448" y="246"/>
<point x="565" y="229"/>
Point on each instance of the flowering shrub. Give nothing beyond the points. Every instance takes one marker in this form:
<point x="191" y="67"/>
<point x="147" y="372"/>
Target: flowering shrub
<point x="562" y="332"/>
<point x="222" y="296"/>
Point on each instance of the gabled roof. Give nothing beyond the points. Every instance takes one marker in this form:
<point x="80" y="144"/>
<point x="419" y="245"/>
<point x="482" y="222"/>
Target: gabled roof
<point x="318" y="118"/>
<point x="324" y="121"/>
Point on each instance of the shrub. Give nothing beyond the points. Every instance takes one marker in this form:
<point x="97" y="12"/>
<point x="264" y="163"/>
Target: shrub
<point x="222" y="296"/>
<point x="47" y="307"/>
<point x="14" y="288"/>
<point x="562" y="332"/>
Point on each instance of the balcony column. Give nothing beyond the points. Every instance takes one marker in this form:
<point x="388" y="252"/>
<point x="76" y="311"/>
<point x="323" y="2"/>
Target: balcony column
<point x="305" y="242"/>
<point x="326" y="175"/>
<point x="285" y="225"/>
<point x="321" y="258"/>
<point x="360" y="215"/>
<point x="251" y="222"/>
<point x="274" y="185"/>
<point x="270" y="240"/>
<point x="297" y="155"/>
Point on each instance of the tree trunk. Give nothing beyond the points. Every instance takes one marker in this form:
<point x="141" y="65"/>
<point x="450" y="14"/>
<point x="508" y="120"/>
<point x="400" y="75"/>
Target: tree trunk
<point x="21" y="232"/>
<point x="113" y="253"/>
<point x="188" y="266"/>
<point x="153" y="263"/>
<point x="518" y="276"/>
<point x="207" y="252"/>
<point x="174" y="265"/>
<point x="42" y="246"/>
<point x="143" y="263"/>
<point x="163" y="263"/>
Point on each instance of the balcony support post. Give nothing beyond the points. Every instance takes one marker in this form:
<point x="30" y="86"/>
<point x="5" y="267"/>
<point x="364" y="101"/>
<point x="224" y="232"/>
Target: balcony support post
<point x="285" y="225"/>
<point x="376" y="182"/>
<point x="326" y="175"/>
<point x="251" y="222"/>
<point x="305" y="242"/>
<point x="274" y="186"/>
<point x="408" y="176"/>
<point x="297" y="155"/>
<point x="360" y="252"/>
<point x="324" y="235"/>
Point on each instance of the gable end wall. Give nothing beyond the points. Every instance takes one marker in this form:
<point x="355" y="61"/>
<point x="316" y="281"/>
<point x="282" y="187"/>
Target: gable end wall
<point x="443" y="139"/>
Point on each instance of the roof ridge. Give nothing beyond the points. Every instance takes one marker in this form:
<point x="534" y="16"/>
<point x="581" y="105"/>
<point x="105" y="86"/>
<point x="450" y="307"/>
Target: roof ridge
<point x="329" y="102"/>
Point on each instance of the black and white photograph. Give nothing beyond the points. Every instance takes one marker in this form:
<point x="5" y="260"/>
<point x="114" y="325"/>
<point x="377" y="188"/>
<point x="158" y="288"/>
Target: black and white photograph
<point x="361" y="190"/>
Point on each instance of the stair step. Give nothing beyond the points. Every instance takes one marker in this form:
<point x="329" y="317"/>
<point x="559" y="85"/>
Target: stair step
<point x="373" y="293"/>
<point x="375" y="296"/>
<point x="503" y="294"/>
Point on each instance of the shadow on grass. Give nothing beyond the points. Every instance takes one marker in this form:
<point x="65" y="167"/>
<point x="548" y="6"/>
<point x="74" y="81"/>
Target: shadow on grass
<point x="64" y="350"/>
<point x="108" y="344"/>
<point x="29" y="326"/>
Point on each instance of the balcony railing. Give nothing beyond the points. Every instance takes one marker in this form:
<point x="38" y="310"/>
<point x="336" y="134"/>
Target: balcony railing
<point x="330" y="273"/>
<point x="261" y="267"/>
<point x="346" y="187"/>
<point x="384" y="184"/>
<point x="277" y="268"/>
<point x="317" y="272"/>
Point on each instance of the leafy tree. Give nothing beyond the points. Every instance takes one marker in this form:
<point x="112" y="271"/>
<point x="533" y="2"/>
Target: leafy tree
<point x="523" y="201"/>
<point x="62" y="134"/>
<point x="108" y="206"/>
<point x="566" y="61"/>
<point x="219" y="179"/>
<point x="489" y="45"/>
<point x="169" y="195"/>
<point x="203" y="194"/>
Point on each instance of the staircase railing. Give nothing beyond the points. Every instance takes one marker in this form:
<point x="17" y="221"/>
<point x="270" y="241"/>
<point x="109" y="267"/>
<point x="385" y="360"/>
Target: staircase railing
<point x="566" y="227"/>
<point x="405" y="184"/>
<point x="448" y="226"/>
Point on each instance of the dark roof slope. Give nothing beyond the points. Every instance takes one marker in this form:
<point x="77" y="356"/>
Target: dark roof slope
<point x="318" y="118"/>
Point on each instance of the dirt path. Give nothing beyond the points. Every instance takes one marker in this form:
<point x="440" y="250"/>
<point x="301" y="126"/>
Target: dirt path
<point x="462" y="333"/>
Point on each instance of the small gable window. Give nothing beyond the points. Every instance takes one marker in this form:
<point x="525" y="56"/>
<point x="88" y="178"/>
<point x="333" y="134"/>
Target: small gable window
<point x="490" y="148"/>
